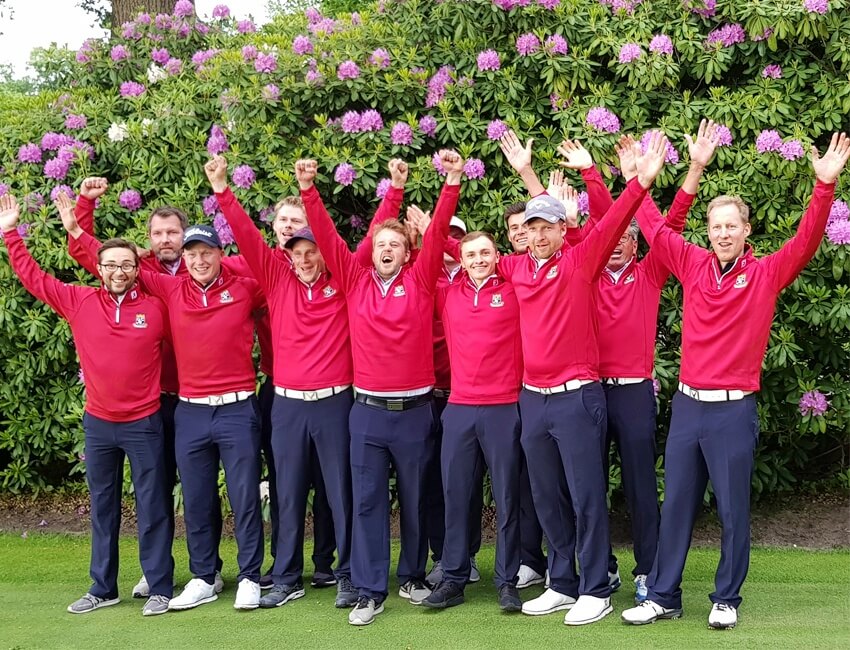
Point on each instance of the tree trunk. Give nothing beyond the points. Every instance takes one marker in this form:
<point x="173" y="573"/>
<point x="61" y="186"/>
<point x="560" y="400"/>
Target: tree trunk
<point x="125" y="10"/>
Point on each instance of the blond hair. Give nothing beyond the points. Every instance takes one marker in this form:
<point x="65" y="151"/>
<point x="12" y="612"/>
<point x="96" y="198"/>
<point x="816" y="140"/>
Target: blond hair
<point x="728" y="199"/>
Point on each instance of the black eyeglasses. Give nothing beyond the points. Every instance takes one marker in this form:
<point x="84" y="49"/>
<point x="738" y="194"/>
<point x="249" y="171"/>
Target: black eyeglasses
<point x="112" y="267"/>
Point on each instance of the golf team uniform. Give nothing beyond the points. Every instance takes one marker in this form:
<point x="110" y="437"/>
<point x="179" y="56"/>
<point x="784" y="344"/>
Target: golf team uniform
<point x="714" y="427"/>
<point x="562" y="402"/>
<point x="392" y="418"/>
<point x="483" y="338"/>
<point x="312" y="377"/>
<point x="119" y="341"/>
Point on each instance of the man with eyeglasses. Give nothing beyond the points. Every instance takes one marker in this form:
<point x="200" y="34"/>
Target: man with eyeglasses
<point x="217" y="419"/>
<point x="118" y="331"/>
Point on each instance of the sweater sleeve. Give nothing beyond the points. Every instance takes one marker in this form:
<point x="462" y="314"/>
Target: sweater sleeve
<point x="265" y="266"/>
<point x="598" y="244"/>
<point x="788" y="262"/>
<point x="341" y="262"/>
<point x="427" y="265"/>
<point x="657" y="270"/>
<point x="599" y="199"/>
<point x="62" y="298"/>
<point x="79" y="249"/>
<point x="388" y="209"/>
<point x="669" y="247"/>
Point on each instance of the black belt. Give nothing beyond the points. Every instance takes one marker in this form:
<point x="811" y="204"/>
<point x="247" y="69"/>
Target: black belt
<point x="394" y="403"/>
<point x="441" y="393"/>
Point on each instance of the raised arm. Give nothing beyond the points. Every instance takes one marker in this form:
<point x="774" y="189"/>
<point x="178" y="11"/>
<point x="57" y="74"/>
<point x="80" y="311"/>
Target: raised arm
<point x="264" y="265"/>
<point x="82" y="244"/>
<point x="599" y="198"/>
<point x="341" y="261"/>
<point x="427" y="265"/>
<point x="787" y="263"/>
<point x="91" y="189"/>
<point x="62" y="298"/>
<point x="595" y="249"/>
<point x="519" y="157"/>
<point x="389" y="208"/>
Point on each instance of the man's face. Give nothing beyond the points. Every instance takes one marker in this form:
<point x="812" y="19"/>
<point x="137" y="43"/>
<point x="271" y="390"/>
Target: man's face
<point x="203" y="262"/>
<point x="454" y="233"/>
<point x="625" y="250"/>
<point x="166" y="238"/>
<point x="479" y="258"/>
<point x="389" y="252"/>
<point x="518" y="232"/>
<point x="307" y="260"/>
<point x="727" y="232"/>
<point x="118" y="269"/>
<point x="287" y="220"/>
<point x="544" y="238"/>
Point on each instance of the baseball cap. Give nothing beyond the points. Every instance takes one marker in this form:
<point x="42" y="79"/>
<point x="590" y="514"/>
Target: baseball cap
<point x="302" y="233"/>
<point x="457" y="222"/>
<point x="545" y="207"/>
<point x="201" y="233"/>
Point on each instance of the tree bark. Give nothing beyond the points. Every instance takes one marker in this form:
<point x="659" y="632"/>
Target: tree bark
<point x="125" y="10"/>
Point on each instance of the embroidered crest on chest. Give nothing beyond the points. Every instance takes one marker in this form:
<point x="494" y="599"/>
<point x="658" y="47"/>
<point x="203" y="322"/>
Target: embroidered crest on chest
<point x="226" y="297"/>
<point x="740" y="281"/>
<point x="398" y="290"/>
<point x="553" y="272"/>
<point x="328" y="291"/>
<point x="140" y="322"/>
<point x="630" y="278"/>
<point x="496" y="300"/>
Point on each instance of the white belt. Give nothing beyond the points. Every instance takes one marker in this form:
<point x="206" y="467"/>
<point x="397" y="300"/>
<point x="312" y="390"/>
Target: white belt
<point x="713" y="395"/>
<point x="572" y="384"/>
<point x="311" y="395"/>
<point x="219" y="400"/>
<point x="623" y="381"/>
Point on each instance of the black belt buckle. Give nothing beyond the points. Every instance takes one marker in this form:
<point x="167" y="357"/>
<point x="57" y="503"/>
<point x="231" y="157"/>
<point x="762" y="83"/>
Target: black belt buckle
<point x="395" y="404"/>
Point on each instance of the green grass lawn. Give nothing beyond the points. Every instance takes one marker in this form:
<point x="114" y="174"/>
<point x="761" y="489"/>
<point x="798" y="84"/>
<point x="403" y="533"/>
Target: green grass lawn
<point x="791" y="599"/>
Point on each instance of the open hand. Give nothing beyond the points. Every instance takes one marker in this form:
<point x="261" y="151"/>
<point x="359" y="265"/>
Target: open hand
<point x="650" y="163"/>
<point x="828" y="167"/>
<point x="9" y="212"/>
<point x="575" y="155"/>
<point x="517" y="155"/>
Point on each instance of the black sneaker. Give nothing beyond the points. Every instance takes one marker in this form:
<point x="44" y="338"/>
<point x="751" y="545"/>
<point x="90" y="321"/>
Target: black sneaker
<point x="509" y="599"/>
<point x="447" y="594"/>
<point x="346" y="594"/>
<point x="322" y="579"/>
<point x="266" y="581"/>
<point x="280" y="595"/>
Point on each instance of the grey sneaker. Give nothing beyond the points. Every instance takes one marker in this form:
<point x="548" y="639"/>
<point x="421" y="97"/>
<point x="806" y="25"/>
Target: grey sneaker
<point x="436" y="575"/>
<point x="474" y="575"/>
<point x="89" y="603"/>
<point x="218" y="583"/>
<point x="365" y="611"/>
<point x="141" y="590"/>
<point x="280" y="595"/>
<point x="156" y="605"/>
<point x="346" y="594"/>
<point x="415" y="591"/>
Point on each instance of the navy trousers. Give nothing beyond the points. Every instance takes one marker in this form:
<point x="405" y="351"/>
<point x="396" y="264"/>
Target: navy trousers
<point x="530" y="532"/>
<point x="205" y="436"/>
<point x="631" y="427"/>
<point x="469" y="431"/>
<point x="716" y="441"/>
<point x="379" y="438"/>
<point x="265" y="399"/>
<point x="436" y="509"/>
<point x="106" y="445"/>
<point x="324" y="530"/>
<point x="304" y="431"/>
<point x="167" y="406"/>
<point x="564" y="435"/>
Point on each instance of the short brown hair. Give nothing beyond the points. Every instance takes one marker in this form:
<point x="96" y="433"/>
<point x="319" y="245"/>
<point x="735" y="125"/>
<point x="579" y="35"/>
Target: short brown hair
<point x="514" y="208"/>
<point x="728" y="199"/>
<point x="291" y="201"/>
<point x="117" y="243"/>
<point x="396" y="226"/>
<point x="168" y="211"/>
<point x="475" y="234"/>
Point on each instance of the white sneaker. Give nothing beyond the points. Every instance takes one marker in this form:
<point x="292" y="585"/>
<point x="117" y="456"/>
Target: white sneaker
<point x="526" y="577"/>
<point x="365" y="611"/>
<point x="722" y="617"/>
<point x="588" y="609"/>
<point x="247" y="595"/>
<point x="218" y="583"/>
<point x="141" y="590"/>
<point x="546" y="584"/>
<point x="196" y="592"/>
<point x="550" y="601"/>
<point x="648" y="612"/>
<point x="640" y="589"/>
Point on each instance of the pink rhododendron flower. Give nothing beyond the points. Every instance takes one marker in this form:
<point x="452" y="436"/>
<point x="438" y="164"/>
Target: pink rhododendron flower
<point x="345" y="174"/>
<point x="401" y="134"/>
<point x="59" y="189"/>
<point x="302" y="45"/>
<point x="661" y="44"/>
<point x="223" y="230"/>
<point x="75" y="122"/>
<point x="549" y="4"/>
<point x="249" y="53"/>
<point x="221" y="11"/>
<point x="727" y="35"/>
<point x="838" y="232"/>
<point x="132" y="89"/>
<point x="496" y="129"/>
<point x="29" y="153"/>
<point x="672" y="156"/>
<point x="371" y="120"/>
<point x="768" y="140"/>
<point x="119" y="53"/>
<point x="184" y="8"/>
<point x="813" y="402"/>
<point x="556" y="44"/>
<point x="382" y="188"/>
<point x="217" y="142"/>
<point x="348" y="70"/>
<point x="438" y="165"/>
<point x="527" y="44"/>
<point x="630" y="52"/>
<point x="839" y="210"/>
<point x="583" y="201"/>
<point x="380" y="58"/>
<point x="428" y="125"/>
<point x="792" y="150"/>
<point x="602" y="119"/>
<point x="160" y="55"/>
<point x="266" y="62"/>
<point x="772" y="71"/>
<point x="816" y="6"/>
<point x="488" y="60"/>
<point x="474" y="168"/>
<point x="438" y="84"/>
<point x="243" y="176"/>
<point x="245" y="27"/>
<point x="271" y="93"/>
<point x="210" y="205"/>
<point x="173" y="66"/>
<point x="724" y="135"/>
<point x="56" y="168"/>
<point x="130" y="199"/>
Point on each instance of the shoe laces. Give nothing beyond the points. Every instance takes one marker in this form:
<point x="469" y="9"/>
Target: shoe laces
<point x="94" y="600"/>
<point x="344" y="584"/>
<point x="415" y="584"/>
<point x="723" y="607"/>
<point x="363" y="602"/>
<point x="159" y="598"/>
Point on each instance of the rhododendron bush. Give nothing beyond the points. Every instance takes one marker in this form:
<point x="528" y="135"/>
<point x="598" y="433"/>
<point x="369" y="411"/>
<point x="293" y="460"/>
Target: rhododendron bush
<point x="405" y="78"/>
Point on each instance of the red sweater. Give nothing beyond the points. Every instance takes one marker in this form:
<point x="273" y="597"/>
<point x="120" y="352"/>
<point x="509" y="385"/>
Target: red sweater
<point x="312" y="346"/>
<point x="727" y="316"/>
<point x="392" y="333"/>
<point x="119" y="343"/>
<point x="558" y="302"/>
<point x="482" y="332"/>
<point x="628" y="304"/>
